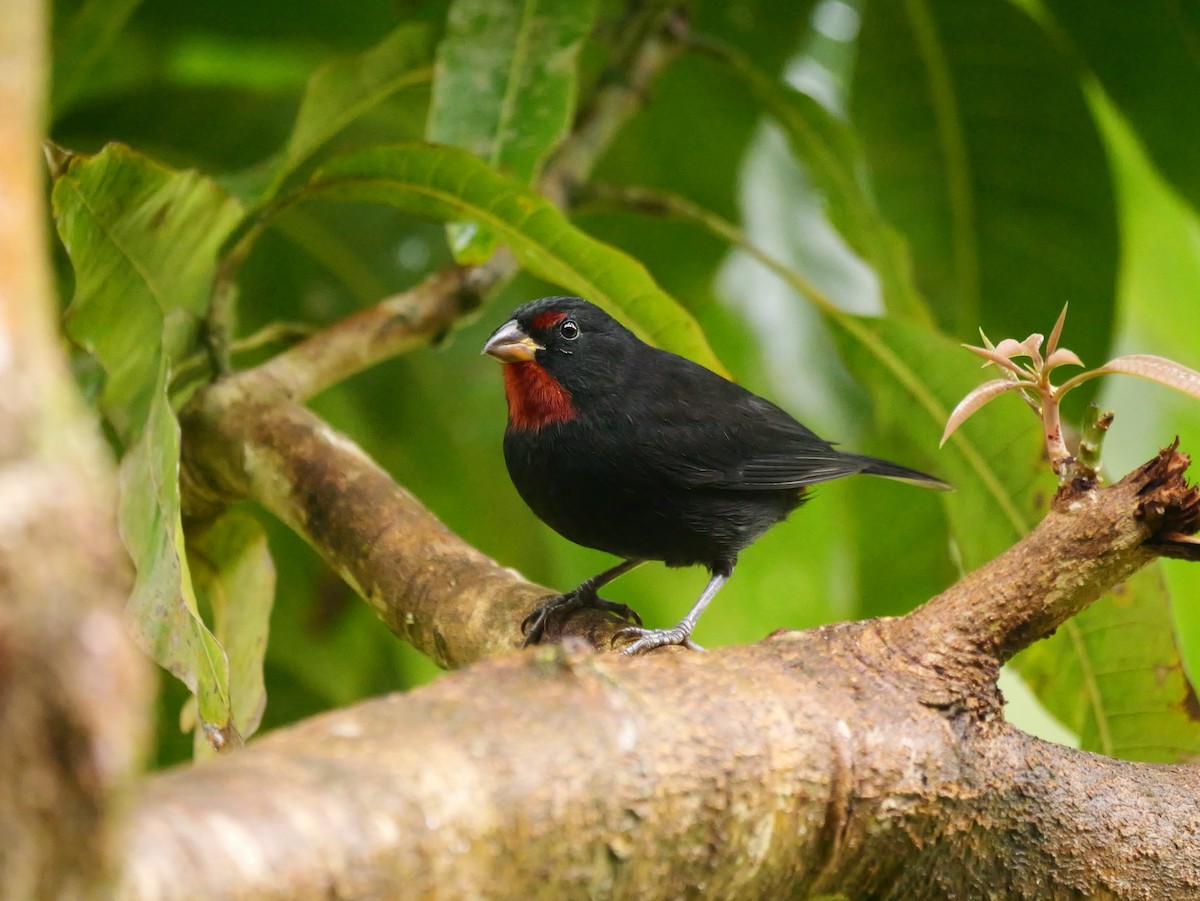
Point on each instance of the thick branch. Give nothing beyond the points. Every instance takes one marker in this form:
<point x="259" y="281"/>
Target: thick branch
<point x="800" y="765"/>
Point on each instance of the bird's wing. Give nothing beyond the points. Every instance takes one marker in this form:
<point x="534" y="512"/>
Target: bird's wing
<point x="699" y="429"/>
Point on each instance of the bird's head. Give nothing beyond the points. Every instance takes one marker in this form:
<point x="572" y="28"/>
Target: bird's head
<point x="560" y="353"/>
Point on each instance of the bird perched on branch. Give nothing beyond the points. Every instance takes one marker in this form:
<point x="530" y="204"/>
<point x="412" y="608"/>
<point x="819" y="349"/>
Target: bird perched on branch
<point x="620" y="446"/>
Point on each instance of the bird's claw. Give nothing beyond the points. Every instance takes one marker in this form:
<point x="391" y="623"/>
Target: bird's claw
<point x="649" y="639"/>
<point x="533" y="627"/>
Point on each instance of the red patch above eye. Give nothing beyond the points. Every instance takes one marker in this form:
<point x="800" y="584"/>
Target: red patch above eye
<point x="548" y="320"/>
<point x="535" y="398"/>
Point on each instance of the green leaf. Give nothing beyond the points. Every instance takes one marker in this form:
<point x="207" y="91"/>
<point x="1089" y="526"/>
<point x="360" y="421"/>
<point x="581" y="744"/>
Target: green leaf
<point x="506" y="82"/>
<point x="83" y="41"/>
<point x="984" y="153"/>
<point x="447" y="184"/>
<point x="1136" y="50"/>
<point x="234" y="574"/>
<point x="162" y="608"/>
<point x="505" y="88"/>
<point x="829" y="151"/>
<point x="143" y="241"/>
<point x="344" y="89"/>
<point x="1124" y="691"/>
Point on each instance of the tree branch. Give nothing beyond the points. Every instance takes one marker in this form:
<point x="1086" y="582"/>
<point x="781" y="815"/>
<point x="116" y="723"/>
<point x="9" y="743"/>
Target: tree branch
<point x="575" y="772"/>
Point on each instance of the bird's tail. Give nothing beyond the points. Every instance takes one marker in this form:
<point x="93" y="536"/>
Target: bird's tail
<point x="876" y="467"/>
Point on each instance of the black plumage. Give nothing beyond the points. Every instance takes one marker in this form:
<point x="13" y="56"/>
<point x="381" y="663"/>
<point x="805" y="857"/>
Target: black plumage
<point x="641" y="453"/>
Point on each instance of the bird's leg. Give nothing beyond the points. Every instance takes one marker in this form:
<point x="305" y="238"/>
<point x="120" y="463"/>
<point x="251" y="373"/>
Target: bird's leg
<point x="649" y="639"/>
<point x="534" y="625"/>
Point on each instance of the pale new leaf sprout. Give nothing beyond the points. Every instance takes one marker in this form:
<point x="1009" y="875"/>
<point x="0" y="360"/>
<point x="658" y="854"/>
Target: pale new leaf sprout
<point x="1026" y="371"/>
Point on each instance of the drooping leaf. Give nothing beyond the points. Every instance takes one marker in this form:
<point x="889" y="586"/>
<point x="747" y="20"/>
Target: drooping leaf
<point x="342" y="90"/>
<point x="234" y="574"/>
<point x="505" y="85"/>
<point x="1113" y="676"/>
<point x="162" y="608"/>
<point x="447" y="184"/>
<point x="983" y="152"/>
<point x="1062" y="357"/>
<point x="505" y="88"/>
<point x="143" y="242"/>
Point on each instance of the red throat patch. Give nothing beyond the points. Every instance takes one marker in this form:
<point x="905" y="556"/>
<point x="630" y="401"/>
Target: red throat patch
<point x="535" y="398"/>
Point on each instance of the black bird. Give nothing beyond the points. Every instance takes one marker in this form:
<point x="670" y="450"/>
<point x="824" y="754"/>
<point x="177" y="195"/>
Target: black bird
<point x="620" y="446"/>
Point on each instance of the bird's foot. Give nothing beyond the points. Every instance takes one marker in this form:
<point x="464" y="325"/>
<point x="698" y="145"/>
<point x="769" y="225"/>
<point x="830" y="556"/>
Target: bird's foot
<point x="649" y="639"/>
<point x="533" y="627"/>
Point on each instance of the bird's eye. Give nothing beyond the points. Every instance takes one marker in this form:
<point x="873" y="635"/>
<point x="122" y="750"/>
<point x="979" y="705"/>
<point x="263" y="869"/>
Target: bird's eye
<point x="569" y="329"/>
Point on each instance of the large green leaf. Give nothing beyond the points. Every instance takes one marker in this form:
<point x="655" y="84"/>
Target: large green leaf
<point x="344" y="89"/>
<point x="143" y="242"/>
<point x="1146" y="57"/>
<point x="505" y="84"/>
<point x="983" y="153"/>
<point x="234" y="574"/>
<point x="1113" y="676"/>
<point x="505" y="88"/>
<point x="448" y="184"/>
<point x="162" y="608"/>
<point x="828" y="149"/>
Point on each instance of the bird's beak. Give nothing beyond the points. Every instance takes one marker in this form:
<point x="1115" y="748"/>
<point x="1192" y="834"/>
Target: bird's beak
<point x="509" y="344"/>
